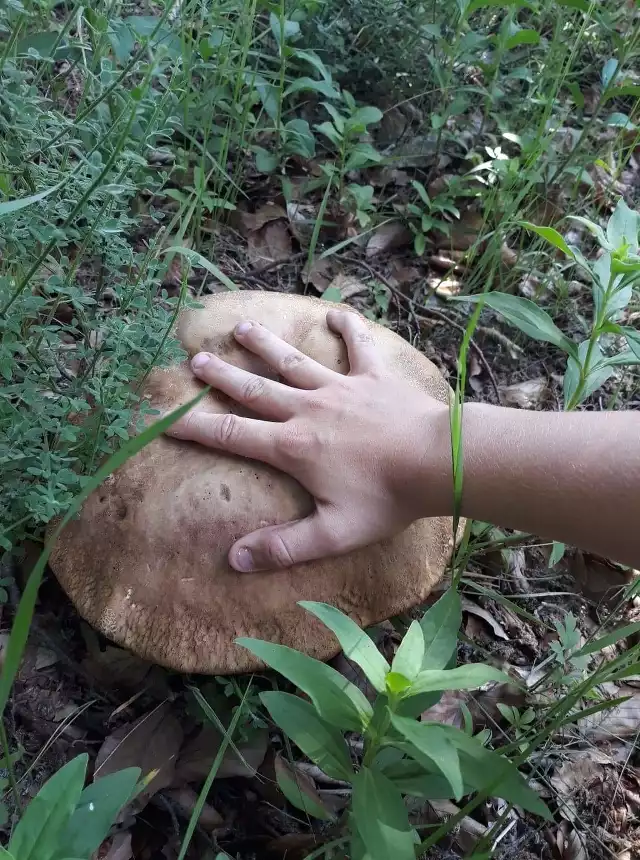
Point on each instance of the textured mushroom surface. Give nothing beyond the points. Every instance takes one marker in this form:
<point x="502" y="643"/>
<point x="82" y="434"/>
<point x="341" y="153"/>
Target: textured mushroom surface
<point x="145" y="562"/>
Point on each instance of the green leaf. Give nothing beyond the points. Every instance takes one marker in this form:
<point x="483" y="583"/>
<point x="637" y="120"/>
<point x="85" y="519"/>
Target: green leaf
<point x="318" y="740"/>
<point x="47" y="44"/>
<point x="440" y="625"/>
<point x="467" y="677"/>
<point x="582" y="5"/>
<point x="523" y="37"/>
<point x="4" y="854"/>
<point x="410" y="655"/>
<point x="363" y="117"/>
<point x="299" y="789"/>
<point x="633" y="339"/>
<point x="552" y="236"/>
<point x="355" y="643"/>
<point x="484" y="769"/>
<point x="433" y="744"/>
<point x="37" y="833"/>
<point x="329" y="130"/>
<point x="621" y="120"/>
<point x="624" y="90"/>
<point x="622" y="228"/>
<point x="336" y="700"/>
<point x="362" y="155"/>
<point x="197" y="259"/>
<point x="557" y="553"/>
<point x="483" y="4"/>
<point x="332" y="294"/>
<point x="608" y="639"/>
<point x="576" y="94"/>
<point x="266" y="162"/>
<point x="609" y="71"/>
<point x="381" y="817"/>
<point x="8" y="207"/>
<point x="96" y="812"/>
<point x="525" y="315"/>
<point x="410" y="777"/>
<point x="290" y="28"/>
<point x="325" y="88"/>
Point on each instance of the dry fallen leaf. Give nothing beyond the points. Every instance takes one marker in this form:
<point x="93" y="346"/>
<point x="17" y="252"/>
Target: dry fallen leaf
<point x="119" y="848"/>
<point x="302" y="220"/>
<point x="348" y="286"/>
<point x="309" y="796"/>
<point x="474" y="609"/>
<point x="468" y="832"/>
<point x="599" y="580"/>
<point x="115" y="667"/>
<point x="582" y="771"/>
<point x="444" y="287"/>
<point x="622" y="721"/>
<point x="508" y="256"/>
<point x="463" y="233"/>
<point x="197" y="755"/>
<point x="185" y="800"/>
<point x="150" y="743"/>
<point x="388" y="237"/>
<point x="252" y="221"/>
<point x="526" y="395"/>
<point x="269" y="244"/>
<point x="568" y="845"/>
<point x="448" y="261"/>
<point x="320" y="274"/>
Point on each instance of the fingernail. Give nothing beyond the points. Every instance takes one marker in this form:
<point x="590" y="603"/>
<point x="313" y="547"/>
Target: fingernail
<point x="243" y="328"/>
<point x="244" y="559"/>
<point x="199" y="360"/>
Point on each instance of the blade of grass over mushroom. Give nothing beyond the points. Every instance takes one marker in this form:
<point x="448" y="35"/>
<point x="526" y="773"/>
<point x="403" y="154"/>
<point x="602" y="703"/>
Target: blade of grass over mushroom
<point x="197" y="259"/>
<point x="20" y="629"/>
<point x="337" y="700"/>
<point x="355" y="643"/>
<point x="227" y="737"/>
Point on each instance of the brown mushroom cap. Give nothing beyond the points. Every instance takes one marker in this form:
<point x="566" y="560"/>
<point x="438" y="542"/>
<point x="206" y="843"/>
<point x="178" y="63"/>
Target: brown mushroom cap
<point x="145" y="562"/>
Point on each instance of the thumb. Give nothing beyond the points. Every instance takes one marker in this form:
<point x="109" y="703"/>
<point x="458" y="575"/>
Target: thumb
<point x="278" y="547"/>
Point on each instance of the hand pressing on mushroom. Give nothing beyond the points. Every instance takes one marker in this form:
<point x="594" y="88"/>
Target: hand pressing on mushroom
<point x="350" y="440"/>
<point x="375" y="453"/>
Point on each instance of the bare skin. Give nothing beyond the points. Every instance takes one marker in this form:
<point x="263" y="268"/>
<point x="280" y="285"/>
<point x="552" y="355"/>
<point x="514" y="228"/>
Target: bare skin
<point x="573" y="477"/>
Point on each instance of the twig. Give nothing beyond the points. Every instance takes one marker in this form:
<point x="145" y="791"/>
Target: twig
<point x="435" y="314"/>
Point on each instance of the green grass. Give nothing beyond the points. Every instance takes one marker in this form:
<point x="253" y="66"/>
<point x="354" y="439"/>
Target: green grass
<point x="130" y="133"/>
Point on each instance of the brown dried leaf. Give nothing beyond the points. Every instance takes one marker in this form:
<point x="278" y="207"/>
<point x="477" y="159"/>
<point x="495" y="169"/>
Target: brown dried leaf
<point x="474" y="609"/>
<point x="448" y="261"/>
<point x="444" y="287"/>
<point x="150" y="743"/>
<point x="119" y="848"/>
<point x="568" y="844"/>
<point x="464" y="233"/>
<point x="581" y="771"/>
<point x="252" y="221"/>
<point x="468" y="832"/>
<point x="599" y="580"/>
<point x="388" y="237"/>
<point x="270" y="244"/>
<point x="619" y="722"/>
<point x="348" y="286"/>
<point x="197" y="755"/>
<point x="447" y="711"/>
<point x="302" y="219"/>
<point x="320" y="274"/>
<point x="526" y="395"/>
<point x="115" y="667"/>
<point x="185" y="800"/>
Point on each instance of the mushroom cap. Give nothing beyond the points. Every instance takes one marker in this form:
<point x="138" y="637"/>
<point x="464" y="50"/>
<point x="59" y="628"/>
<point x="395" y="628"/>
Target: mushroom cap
<point x="145" y="561"/>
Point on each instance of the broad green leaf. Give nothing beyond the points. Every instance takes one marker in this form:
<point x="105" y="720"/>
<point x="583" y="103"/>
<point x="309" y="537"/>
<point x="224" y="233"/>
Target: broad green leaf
<point x="622" y="359"/>
<point x="633" y="339"/>
<point x="467" y="677"/>
<point x="622" y="228"/>
<point x="336" y="700"/>
<point x="4" y="854"/>
<point x="381" y="817"/>
<point x="332" y="294"/>
<point x="621" y="120"/>
<point x="410" y="777"/>
<point x="523" y="37"/>
<point x="318" y="740"/>
<point x="37" y="833"/>
<point x="598" y="372"/>
<point x="96" y="812"/>
<point x="362" y="155"/>
<point x="557" y="553"/>
<point x="595" y="229"/>
<point x="550" y="235"/>
<point x="329" y="130"/>
<point x="266" y="162"/>
<point x="315" y="61"/>
<point x="624" y="90"/>
<point x="410" y="655"/>
<point x="283" y="31"/>
<point x="440" y="625"/>
<point x="325" y="88"/>
<point x="609" y="71"/>
<point x="355" y="643"/>
<point x="432" y="743"/>
<point x="197" y="259"/>
<point x="47" y="44"/>
<point x="608" y="639"/>
<point x="8" y="207"/>
<point x="363" y="117"/>
<point x="484" y="769"/>
<point x="300" y="790"/>
<point x="525" y="315"/>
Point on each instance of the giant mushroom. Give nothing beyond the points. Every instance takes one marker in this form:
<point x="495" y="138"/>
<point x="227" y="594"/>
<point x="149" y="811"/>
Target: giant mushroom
<point x="145" y="561"/>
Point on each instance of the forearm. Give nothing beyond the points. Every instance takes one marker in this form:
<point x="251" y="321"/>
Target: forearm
<point x="573" y="477"/>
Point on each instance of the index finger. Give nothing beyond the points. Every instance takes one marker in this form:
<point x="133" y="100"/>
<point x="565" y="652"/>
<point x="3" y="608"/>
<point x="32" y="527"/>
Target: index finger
<point x="361" y="348"/>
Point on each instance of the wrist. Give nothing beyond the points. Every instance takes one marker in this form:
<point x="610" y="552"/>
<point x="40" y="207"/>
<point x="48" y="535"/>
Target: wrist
<point x="432" y="481"/>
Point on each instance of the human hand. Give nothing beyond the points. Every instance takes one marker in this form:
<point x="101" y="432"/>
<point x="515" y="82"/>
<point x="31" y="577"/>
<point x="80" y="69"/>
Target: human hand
<point x="364" y="445"/>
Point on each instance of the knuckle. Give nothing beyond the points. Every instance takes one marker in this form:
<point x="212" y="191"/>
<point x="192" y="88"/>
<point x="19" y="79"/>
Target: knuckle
<point x="277" y="552"/>
<point x="291" y="360"/>
<point x="253" y="389"/>
<point x="228" y="429"/>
